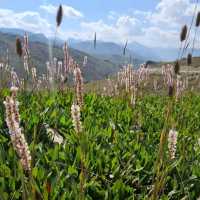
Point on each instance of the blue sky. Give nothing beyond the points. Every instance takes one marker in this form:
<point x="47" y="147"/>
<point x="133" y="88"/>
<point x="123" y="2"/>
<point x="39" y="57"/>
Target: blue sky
<point x="91" y="8"/>
<point x="149" y="22"/>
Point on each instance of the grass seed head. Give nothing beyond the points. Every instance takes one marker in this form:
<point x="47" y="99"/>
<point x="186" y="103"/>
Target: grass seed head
<point x="172" y="141"/>
<point x="19" y="49"/>
<point x="189" y="59"/>
<point x="198" y="19"/>
<point x="176" y="67"/>
<point x="125" y="46"/>
<point x="171" y="91"/>
<point x="76" y="118"/>
<point x="183" y="33"/>
<point x="16" y="135"/>
<point x="59" y="16"/>
<point x="78" y="86"/>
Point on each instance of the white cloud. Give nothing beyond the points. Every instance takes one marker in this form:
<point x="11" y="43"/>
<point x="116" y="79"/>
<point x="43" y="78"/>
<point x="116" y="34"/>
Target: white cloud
<point x="160" y="27"/>
<point x="142" y="14"/>
<point x="156" y="37"/>
<point x="123" y="28"/>
<point x="69" y="11"/>
<point x="166" y="22"/>
<point x="112" y="15"/>
<point x="30" y="21"/>
<point x="104" y="31"/>
<point x="172" y="13"/>
<point x="129" y="26"/>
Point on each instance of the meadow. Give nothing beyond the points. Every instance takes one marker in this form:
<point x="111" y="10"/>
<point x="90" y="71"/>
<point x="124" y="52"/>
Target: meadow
<point x="120" y="144"/>
<point x="135" y="135"/>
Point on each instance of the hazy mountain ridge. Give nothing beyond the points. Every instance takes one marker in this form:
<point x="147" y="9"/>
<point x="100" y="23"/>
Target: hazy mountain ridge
<point x="94" y="70"/>
<point x="134" y="50"/>
<point x="107" y="52"/>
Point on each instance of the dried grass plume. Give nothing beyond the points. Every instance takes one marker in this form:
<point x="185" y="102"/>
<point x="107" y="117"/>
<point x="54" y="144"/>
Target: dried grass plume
<point x="19" y="49"/>
<point x="198" y="19"/>
<point x="176" y="67"/>
<point x="189" y="59"/>
<point x="183" y="33"/>
<point x="59" y="16"/>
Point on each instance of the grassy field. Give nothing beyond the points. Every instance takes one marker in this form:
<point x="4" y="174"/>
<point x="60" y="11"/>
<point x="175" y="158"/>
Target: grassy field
<point x="75" y="126"/>
<point x="120" y="144"/>
<point x="195" y="65"/>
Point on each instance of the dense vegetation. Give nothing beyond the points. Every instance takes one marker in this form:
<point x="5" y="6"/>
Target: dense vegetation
<point x="120" y="143"/>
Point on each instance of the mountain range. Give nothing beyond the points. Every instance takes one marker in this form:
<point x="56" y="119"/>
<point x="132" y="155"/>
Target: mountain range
<point x="107" y="58"/>
<point x="106" y="50"/>
<point x="138" y="52"/>
<point x="95" y="69"/>
<point x="135" y="50"/>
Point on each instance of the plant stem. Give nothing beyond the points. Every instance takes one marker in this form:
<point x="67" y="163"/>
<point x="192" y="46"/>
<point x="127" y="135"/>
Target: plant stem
<point x="160" y="167"/>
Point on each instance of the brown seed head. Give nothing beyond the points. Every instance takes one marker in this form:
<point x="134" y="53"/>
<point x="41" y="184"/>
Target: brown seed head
<point x="189" y="59"/>
<point x="176" y="67"/>
<point x="59" y="16"/>
<point x="124" y="51"/>
<point x="183" y="33"/>
<point x="19" y="47"/>
<point x="171" y="91"/>
<point x="198" y="19"/>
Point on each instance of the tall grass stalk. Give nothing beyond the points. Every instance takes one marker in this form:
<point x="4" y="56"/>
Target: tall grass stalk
<point x="189" y="31"/>
<point x="160" y="164"/>
<point x="75" y="112"/>
<point x="196" y="28"/>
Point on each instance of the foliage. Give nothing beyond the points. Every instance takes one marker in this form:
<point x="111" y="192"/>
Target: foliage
<point x="121" y="144"/>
